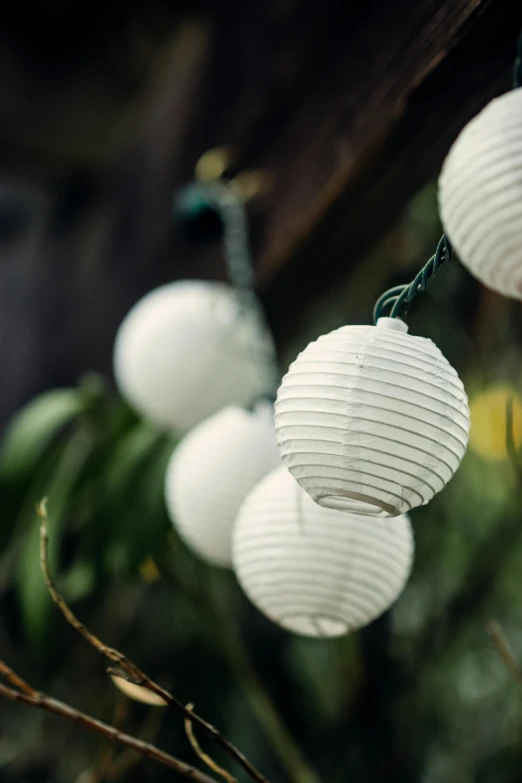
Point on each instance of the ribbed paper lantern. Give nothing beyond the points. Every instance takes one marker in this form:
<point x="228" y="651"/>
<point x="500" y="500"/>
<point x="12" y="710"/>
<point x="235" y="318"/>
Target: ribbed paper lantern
<point x="211" y="472"/>
<point x="371" y="419"/>
<point x="480" y="195"/>
<point x="186" y="350"/>
<point x="316" y="571"/>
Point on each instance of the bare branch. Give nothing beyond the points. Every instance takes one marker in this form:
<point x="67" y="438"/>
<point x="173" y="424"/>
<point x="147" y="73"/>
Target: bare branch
<point x="104" y="760"/>
<point x="132" y="671"/>
<point x="44" y="702"/>
<point x="214" y="766"/>
<point x="15" y="679"/>
<point x="108" y="652"/>
<point x="217" y="623"/>
<point x="128" y="759"/>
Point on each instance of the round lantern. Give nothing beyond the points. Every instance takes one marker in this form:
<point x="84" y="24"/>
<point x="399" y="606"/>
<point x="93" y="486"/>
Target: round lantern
<point x="480" y="195"/>
<point x="186" y="350"/>
<point x="313" y="570"/>
<point x="211" y="472"/>
<point x="372" y="420"/>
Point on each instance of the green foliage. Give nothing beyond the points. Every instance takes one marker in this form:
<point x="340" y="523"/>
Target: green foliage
<point x="33" y="430"/>
<point x="134" y="514"/>
<point x="35" y="602"/>
<point x="102" y="470"/>
<point x="419" y="695"/>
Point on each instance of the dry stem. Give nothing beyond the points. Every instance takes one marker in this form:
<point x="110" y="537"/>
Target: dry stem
<point x="126" y="760"/>
<point x="214" y="766"/>
<point x="42" y="701"/>
<point x="132" y="671"/>
<point x="15" y="679"/>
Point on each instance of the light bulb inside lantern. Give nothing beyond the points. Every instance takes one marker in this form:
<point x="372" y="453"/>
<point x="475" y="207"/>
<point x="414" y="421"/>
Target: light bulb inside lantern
<point x="188" y="349"/>
<point x="210" y="473"/>
<point x="372" y="420"/>
<point x="480" y="195"/>
<point x="315" y="571"/>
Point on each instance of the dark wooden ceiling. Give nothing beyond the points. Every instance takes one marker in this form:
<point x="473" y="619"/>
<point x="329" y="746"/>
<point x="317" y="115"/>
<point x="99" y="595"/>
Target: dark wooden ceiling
<point x="348" y="107"/>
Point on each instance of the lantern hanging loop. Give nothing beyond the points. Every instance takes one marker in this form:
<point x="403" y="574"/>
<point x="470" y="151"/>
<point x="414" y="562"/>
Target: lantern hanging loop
<point x="393" y="303"/>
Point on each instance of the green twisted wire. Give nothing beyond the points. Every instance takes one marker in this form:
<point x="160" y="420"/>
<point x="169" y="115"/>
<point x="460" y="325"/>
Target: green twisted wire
<point x="393" y="303"/>
<point x="222" y="197"/>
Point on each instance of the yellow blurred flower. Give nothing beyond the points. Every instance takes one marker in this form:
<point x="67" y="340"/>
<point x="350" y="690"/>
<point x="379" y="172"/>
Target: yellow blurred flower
<point x="488" y="422"/>
<point x="149" y="571"/>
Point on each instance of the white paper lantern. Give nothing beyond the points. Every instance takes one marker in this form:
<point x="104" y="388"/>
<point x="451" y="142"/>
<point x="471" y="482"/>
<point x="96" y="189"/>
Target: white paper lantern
<point x="316" y="571"/>
<point x="186" y="350"/>
<point x="371" y="419"/>
<point x="210" y="473"/>
<point x="480" y="195"/>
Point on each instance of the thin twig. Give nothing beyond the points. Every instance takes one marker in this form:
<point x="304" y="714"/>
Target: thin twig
<point x="214" y="766"/>
<point x="15" y="679"/>
<point x="104" y="760"/>
<point x="128" y="758"/>
<point x="226" y="634"/>
<point x="134" y="674"/>
<point x="499" y="639"/>
<point x="47" y="703"/>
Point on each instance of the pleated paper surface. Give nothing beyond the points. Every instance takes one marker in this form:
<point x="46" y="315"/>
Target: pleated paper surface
<point x="316" y="571"/>
<point x="372" y="420"/>
<point x="480" y="195"/>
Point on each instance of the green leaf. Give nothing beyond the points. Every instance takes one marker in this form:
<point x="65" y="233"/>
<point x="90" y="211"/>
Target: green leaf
<point x="124" y="467"/>
<point x="34" y="428"/>
<point x="141" y="515"/>
<point x="129" y="458"/>
<point x="146" y="522"/>
<point x="34" y="599"/>
<point x="18" y="501"/>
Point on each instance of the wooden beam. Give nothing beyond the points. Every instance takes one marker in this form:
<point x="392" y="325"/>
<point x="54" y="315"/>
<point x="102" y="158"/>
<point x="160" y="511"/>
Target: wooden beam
<point x="390" y="167"/>
<point x="350" y="107"/>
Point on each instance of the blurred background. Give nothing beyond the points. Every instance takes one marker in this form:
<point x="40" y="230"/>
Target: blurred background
<point x="340" y="115"/>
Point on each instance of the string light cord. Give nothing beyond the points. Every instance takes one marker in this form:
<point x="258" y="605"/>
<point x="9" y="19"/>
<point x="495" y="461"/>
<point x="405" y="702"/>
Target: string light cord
<point x="393" y="303"/>
<point x="224" y="199"/>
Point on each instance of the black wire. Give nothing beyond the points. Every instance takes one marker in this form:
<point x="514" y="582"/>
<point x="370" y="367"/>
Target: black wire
<point x="394" y="301"/>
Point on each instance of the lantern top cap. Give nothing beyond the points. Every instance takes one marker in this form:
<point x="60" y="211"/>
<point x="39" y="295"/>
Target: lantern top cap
<point x="392" y="323"/>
